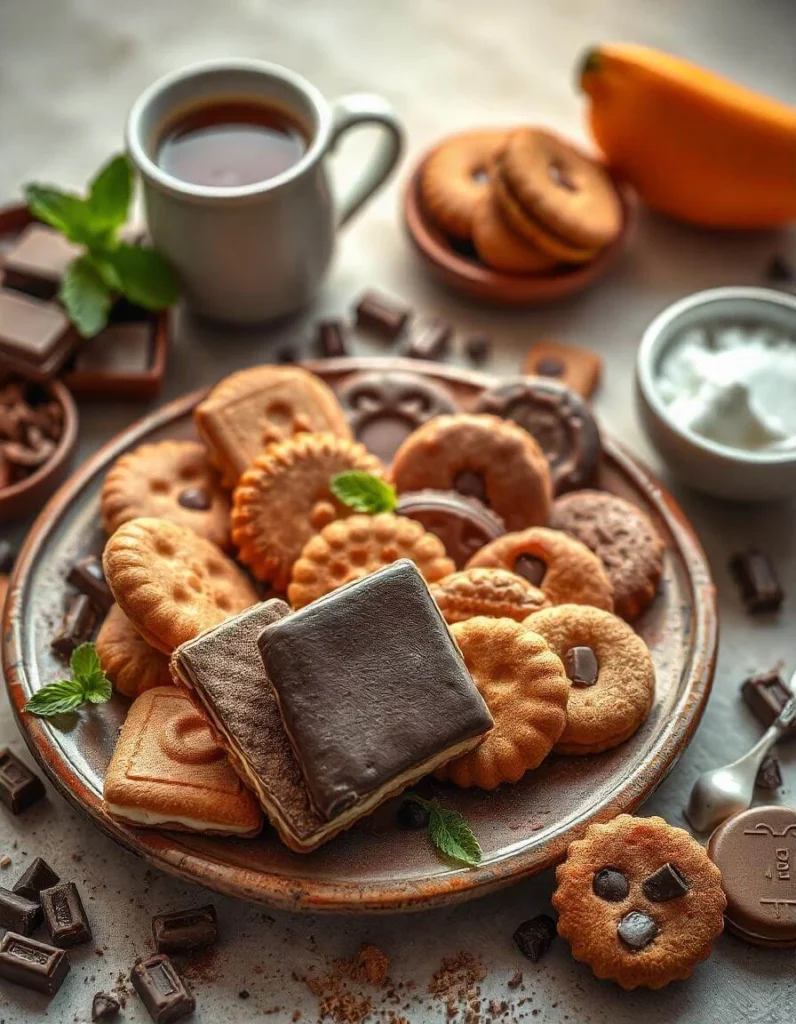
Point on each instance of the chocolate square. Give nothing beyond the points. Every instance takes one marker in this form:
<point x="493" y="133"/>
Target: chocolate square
<point x="32" y="964"/>
<point x="35" y="336"/>
<point x="372" y="687"/>
<point x="37" y="261"/>
<point x="121" y="348"/>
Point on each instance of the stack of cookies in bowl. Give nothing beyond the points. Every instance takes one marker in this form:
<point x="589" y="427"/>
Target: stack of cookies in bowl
<point x="307" y="629"/>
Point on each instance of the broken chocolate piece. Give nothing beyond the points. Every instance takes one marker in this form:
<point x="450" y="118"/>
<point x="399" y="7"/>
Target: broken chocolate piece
<point x="667" y="883"/>
<point x="37" y="261"/>
<point x="531" y="568"/>
<point x="637" y="930"/>
<point x="477" y="349"/>
<point x="765" y="696"/>
<point x="78" y="625"/>
<point x="581" y="666"/>
<point x="162" y="990"/>
<point x="430" y="340"/>
<point x="381" y="315"/>
<point x="195" y="498"/>
<point x="32" y="964"/>
<point x="769" y="775"/>
<point x="17" y="913"/>
<point x="103" y="1006"/>
<point x="331" y="339"/>
<point x="184" y="930"/>
<point x="533" y="937"/>
<point x="64" y="915"/>
<point x="39" y="875"/>
<point x="757" y="579"/>
<point x="89" y="578"/>
<point x="35" y="337"/>
<point x="19" y="787"/>
<point x="412" y="815"/>
<point x="610" y="884"/>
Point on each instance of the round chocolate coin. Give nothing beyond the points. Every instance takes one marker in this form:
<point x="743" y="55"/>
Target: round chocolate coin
<point x="463" y="525"/>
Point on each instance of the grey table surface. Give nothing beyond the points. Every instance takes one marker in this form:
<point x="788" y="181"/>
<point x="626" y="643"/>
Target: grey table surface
<point x="68" y="72"/>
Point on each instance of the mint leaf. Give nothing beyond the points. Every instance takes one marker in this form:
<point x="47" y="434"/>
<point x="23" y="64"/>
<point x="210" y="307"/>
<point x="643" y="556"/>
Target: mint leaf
<point x="363" y="492"/>
<point x="145" y="277"/>
<point x="99" y="690"/>
<point x="450" y="832"/>
<point x="55" y="699"/>
<point x="110" y="192"/>
<point x="64" y="211"/>
<point x="86" y="296"/>
<point x="88" y="683"/>
<point x="85" y="662"/>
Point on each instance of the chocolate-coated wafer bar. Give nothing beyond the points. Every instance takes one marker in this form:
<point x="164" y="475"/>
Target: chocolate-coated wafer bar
<point x="39" y="875"/>
<point x="184" y="930"/>
<point x="19" y="787"/>
<point x="162" y="990"/>
<point x="383" y="639"/>
<point x="18" y="913"/>
<point x="33" y="964"/>
<point x="89" y="578"/>
<point x="64" y="915"/>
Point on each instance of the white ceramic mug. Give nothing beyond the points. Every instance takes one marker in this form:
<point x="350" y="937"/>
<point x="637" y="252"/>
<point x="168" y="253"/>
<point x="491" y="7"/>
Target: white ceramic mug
<point x="251" y="253"/>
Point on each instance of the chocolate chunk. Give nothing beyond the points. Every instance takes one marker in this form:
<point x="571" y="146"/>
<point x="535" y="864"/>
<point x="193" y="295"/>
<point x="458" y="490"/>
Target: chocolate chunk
<point x="78" y="625"/>
<point x="430" y="340"/>
<point x="184" y="930"/>
<point x="89" y="578"/>
<point x="766" y="695"/>
<point x="412" y="815"/>
<point x="385" y="408"/>
<point x="195" y="498"/>
<point x="162" y="990"/>
<point x="550" y="367"/>
<point x="478" y="349"/>
<point x="381" y="315"/>
<point x="37" y="261"/>
<point x="38" y="876"/>
<point x="471" y="485"/>
<point x="35" y="336"/>
<point x="7" y="557"/>
<point x="757" y="579"/>
<point x="780" y="271"/>
<point x="104" y="1006"/>
<point x="19" y="787"/>
<point x="667" y="883"/>
<point x="64" y="915"/>
<point x="610" y="884"/>
<point x="769" y="775"/>
<point x="118" y="350"/>
<point x="331" y="339"/>
<point x="531" y="568"/>
<point x="463" y="525"/>
<point x="17" y="913"/>
<point x="32" y="964"/>
<point x="637" y="930"/>
<point x="581" y="666"/>
<point x="533" y="937"/>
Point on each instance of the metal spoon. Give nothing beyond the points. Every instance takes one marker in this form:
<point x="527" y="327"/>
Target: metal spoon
<point x="720" y="793"/>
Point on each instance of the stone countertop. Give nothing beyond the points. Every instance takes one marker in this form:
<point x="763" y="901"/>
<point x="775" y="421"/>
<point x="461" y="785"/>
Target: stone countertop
<point x="68" y="73"/>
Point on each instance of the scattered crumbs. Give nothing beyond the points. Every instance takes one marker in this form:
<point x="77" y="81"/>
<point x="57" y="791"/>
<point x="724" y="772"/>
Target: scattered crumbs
<point x="369" y="965"/>
<point x="457" y="984"/>
<point x="77" y="856"/>
<point x="296" y="1015"/>
<point x="203" y="965"/>
<point x="516" y="981"/>
<point x="5" y="862"/>
<point x="244" y="993"/>
<point x="337" y="1000"/>
<point x="99" y="952"/>
<point x="270" y="1010"/>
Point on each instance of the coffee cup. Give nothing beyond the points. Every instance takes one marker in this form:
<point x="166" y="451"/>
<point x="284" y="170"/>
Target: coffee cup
<point x="250" y="250"/>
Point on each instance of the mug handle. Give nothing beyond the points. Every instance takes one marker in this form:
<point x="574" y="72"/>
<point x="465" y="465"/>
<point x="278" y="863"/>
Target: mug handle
<point x="347" y="113"/>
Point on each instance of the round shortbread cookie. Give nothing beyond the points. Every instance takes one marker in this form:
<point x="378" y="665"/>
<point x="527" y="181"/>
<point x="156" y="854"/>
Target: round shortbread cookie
<point x="502" y="248"/>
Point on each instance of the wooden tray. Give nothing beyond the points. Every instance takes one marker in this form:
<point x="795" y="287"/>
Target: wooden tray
<point x="374" y="867"/>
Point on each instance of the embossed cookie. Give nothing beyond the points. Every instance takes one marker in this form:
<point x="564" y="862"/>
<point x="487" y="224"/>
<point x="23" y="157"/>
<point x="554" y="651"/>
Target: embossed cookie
<point x="284" y="498"/>
<point x="351" y="548"/>
<point x="481" y="457"/>
<point x="577" y="368"/>
<point x="130" y="663"/>
<point x="169" y="480"/>
<point x="248" y="410"/>
<point x="494" y="593"/>
<point x="564" y="569"/>
<point x="623" y="538"/>
<point x="558" y="419"/>
<point x="610" y="671"/>
<point x="525" y="689"/>
<point x="639" y="901"/>
<point x="171" y="583"/>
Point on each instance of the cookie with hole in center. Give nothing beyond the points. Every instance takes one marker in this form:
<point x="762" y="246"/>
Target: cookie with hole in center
<point x="481" y="457"/>
<point x="284" y="498"/>
<point x="494" y="593"/>
<point x="351" y="548"/>
<point x="565" y="570"/>
<point x="639" y="901"/>
<point x="131" y="664"/>
<point x="524" y="686"/>
<point x="171" y="583"/>
<point x="610" y="671"/>
<point x="168" y="480"/>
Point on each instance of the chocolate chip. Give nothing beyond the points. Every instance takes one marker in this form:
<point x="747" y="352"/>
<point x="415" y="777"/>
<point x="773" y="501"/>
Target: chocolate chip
<point x="381" y="315"/>
<point x="195" y="498"/>
<point x="470" y="484"/>
<point x="103" y="1006"/>
<point x="531" y="568"/>
<point x="780" y="271"/>
<point x="477" y="349"/>
<point x="581" y="666"/>
<point x="769" y="775"/>
<point x="244" y="993"/>
<point x="637" y="930"/>
<point x="757" y="579"/>
<point x="610" y="884"/>
<point x="430" y="341"/>
<point x="550" y="367"/>
<point x="411" y="814"/>
<point x="667" y="883"/>
<point x="533" y="937"/>
<point x="19" y="787"/>
<point x="331" y="339"/>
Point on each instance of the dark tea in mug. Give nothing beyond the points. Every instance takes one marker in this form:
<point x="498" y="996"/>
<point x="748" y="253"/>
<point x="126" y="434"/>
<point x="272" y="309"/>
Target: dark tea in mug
<point x="229" y="143"/>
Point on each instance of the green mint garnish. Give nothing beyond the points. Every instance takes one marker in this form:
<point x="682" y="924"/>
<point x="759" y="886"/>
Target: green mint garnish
<point x="450" y="832"/>
<point x="88" y="684"/>
<point x="364" y="492"/>
<point x="108" y="267"/>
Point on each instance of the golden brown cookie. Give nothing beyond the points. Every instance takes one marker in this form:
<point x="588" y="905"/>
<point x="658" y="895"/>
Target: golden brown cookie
<point x="639" y="901"/>
<point x="492" y="592"/>
<point x="502" y="248"/>
<point x="577" y="368"/>
<point x="169" y="480"/>
<point x="481" y="457"/>
<point x="351" y="548"/>
<point x="611" y="674"/>
<point x="284" y="498"/>
<point x="247" y="411"/>
<point x="171" y="583"/>
<point x="525" y="689"/>
<point x="130" y="663"/>
<point x="623" y="538"/>
<point x="456" y="177"/>
<point x="563" y="196"/>
<point x="564" y="570"/>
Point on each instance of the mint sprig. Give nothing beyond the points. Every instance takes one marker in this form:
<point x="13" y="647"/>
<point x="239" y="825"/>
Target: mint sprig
<point x="88" y="684"/>
<point x="450" y="832"/>
<point x="363" y="492"/>
<point x="107" y="267"/>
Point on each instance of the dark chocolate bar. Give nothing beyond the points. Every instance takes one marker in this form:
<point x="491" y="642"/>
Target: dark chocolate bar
<point x="430" y="340"/>
<point x="19" y="787"/>
<point x="162" y="990"/>
<point x="757" y="579"/>
<point x="89" y="578"/>
<point x="184" y="930"/>
<point x="37" y="261"/>
<point x="17" y="913"/>
<point x="331" y="339"/>
<point x="78" y="625"/>
<point x="381" y="315"/>
<point x="35" y="336"/>
<point x="33" y="964"/>
<point x="766" y="695"/>
<point x="64" y="915"/>
<point x="39" y="875"/>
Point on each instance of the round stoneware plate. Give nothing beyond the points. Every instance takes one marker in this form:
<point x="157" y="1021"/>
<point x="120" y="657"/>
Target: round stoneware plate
<point x="374" y="867"/>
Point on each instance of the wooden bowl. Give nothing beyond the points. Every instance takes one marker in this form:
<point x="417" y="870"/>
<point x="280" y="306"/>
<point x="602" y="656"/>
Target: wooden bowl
<point x="477" y="281"/>
<point x="375" y="866"/>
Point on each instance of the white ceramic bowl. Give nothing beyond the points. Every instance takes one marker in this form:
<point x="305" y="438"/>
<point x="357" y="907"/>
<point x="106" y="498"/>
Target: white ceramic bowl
<point x="707" y="466"/>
